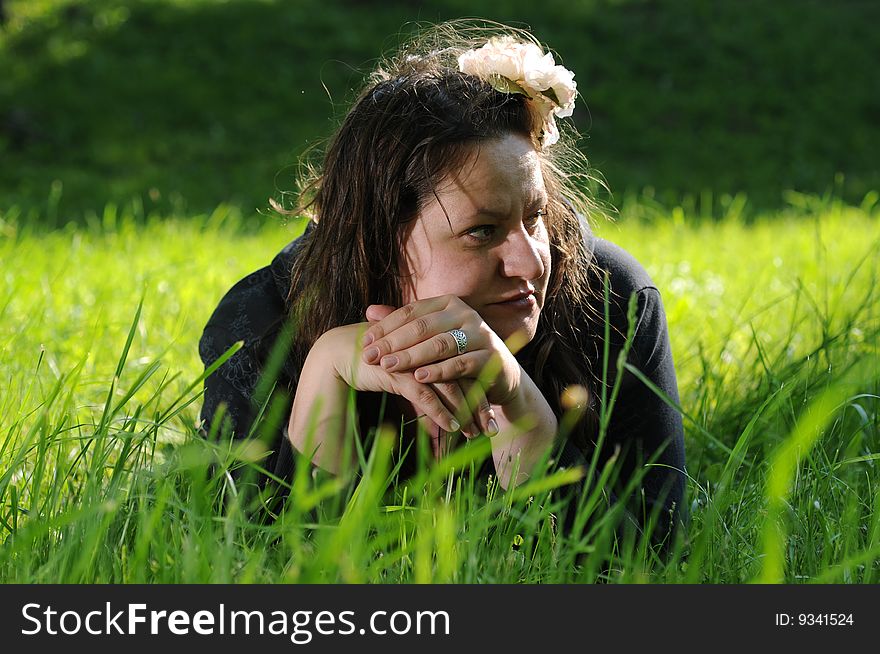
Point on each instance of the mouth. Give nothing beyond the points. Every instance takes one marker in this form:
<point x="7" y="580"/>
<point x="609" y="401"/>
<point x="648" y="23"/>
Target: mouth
<point x="522" y="300"/>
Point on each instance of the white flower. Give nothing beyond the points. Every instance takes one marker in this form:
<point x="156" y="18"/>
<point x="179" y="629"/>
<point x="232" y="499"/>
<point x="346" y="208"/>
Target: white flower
<point x="537" y="68"/>
<point x="561" y="81"/>
<point x="500" y="56"/>
<point x="517" y="67"/>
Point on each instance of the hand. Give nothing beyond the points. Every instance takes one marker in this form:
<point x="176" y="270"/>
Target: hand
<point x="337" y="349"/>
<point x="464" y="397"/>
<point x="416" y="337"/>
<point x="317" y="424"/>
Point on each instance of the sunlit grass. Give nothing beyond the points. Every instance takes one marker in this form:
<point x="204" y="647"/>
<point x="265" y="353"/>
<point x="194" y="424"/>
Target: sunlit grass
<point x="774" y="327"/>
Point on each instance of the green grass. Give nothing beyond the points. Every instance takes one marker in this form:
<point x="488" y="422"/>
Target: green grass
<point x="774" y="327"/>
<point x="191" y="103"/>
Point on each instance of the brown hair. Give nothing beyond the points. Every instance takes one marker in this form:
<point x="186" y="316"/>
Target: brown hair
<point x="416" y="119"/>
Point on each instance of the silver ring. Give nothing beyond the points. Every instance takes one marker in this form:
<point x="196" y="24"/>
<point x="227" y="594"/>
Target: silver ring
<point x="460" y="339"/>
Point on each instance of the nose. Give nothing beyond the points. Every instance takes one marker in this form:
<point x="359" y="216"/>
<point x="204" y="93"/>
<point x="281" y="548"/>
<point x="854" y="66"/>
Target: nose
<point x="523" y="256"/>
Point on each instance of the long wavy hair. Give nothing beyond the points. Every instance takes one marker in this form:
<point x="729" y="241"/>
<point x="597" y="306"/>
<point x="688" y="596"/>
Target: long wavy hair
<point x="417" y="119"/>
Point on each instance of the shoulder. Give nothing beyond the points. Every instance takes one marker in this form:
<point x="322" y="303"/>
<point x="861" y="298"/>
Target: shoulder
<point x="253" y="308"/>
<point x="627" y="282"/>
<point x="626" y="275"/>
<point x="282" y="264"/>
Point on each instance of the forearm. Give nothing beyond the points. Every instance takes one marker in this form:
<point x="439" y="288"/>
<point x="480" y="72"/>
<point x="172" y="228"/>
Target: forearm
<point x="317" y="424"/>
<point x="527" y="430"/>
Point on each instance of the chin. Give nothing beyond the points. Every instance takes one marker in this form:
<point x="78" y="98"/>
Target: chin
<point x="525" y="330"/>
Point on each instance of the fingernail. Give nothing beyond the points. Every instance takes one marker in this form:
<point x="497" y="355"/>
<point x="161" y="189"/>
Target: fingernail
<point x="455" y="425"/>
<point x="367" y="339"/>
<point x="372" y="353"/>
<point x="389" y="362"/>
<point x="421" y="374"/>
<point x="492" y="427"/>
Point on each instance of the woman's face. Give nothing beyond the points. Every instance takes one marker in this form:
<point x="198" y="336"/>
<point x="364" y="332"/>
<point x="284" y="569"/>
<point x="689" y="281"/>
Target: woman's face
<point x="496" y="249"/>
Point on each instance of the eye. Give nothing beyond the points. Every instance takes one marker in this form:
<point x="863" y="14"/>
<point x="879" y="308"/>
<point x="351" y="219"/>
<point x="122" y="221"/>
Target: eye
<point x="482" y="233"/>
<point x="536" y="217"/>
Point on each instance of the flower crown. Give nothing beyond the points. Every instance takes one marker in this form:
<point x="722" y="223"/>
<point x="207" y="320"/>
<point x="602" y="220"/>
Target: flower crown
<point x="513" y="66"/>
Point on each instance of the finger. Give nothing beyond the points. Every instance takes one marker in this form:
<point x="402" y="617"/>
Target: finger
<point x="425" y="400"/>
<point x="377" y="312"/>
<point x="483" y="414"/>
<point x="455" y="314"/>
<point x="403" y="315"/>
<point x="417" y="330"/>
<point x="408" y="353"/>
<point x="467" y="365"/>
<point x="453" y="397"/>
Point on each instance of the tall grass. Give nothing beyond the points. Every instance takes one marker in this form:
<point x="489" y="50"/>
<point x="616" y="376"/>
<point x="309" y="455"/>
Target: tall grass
<point x="103" y="477"/>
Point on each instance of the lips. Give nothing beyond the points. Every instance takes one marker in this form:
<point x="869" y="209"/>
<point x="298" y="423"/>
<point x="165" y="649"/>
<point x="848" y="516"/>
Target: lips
<point x="518" y="297"/>
<point x="522" y="302"/>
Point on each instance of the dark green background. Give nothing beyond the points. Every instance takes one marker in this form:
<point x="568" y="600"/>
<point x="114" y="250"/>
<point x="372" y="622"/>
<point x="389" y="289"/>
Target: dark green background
<point x="187" y="104"/>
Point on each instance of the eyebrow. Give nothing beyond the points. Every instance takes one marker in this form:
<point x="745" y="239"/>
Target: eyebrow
<point x="482" y="211"/>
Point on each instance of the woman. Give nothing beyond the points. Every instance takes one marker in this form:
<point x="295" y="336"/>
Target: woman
<point x="447" y="265"/>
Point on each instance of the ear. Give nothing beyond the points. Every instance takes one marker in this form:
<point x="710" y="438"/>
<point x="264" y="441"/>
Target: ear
<point x="377" y="312"/>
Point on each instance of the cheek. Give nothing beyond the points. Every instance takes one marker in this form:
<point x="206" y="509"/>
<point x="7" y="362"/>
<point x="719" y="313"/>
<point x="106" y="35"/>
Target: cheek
<point x="426" y="272"/>
<point x="448" y="275"/>
<point x="464" y="275"/>
<point x="546" y="258"/>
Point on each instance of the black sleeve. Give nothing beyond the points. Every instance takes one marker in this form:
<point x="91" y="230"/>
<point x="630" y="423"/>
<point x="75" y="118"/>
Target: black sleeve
<point x="231" y="385"/>
<point x="643" y="430"/>
<point x="644" y="425"/>
<point x="252" y="312"/>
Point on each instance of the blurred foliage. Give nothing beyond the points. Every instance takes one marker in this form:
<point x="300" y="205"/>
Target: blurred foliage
<point x="184" y="104"/>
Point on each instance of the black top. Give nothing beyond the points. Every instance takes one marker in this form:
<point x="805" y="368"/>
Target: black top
<point x="641" y="423"/>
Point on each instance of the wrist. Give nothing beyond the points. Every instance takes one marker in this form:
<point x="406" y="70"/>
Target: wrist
<point x="529" y="408"/>
<point x="333" y="354"/>
<point x="528" y="429"/>
<point x="317" y="423"/>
